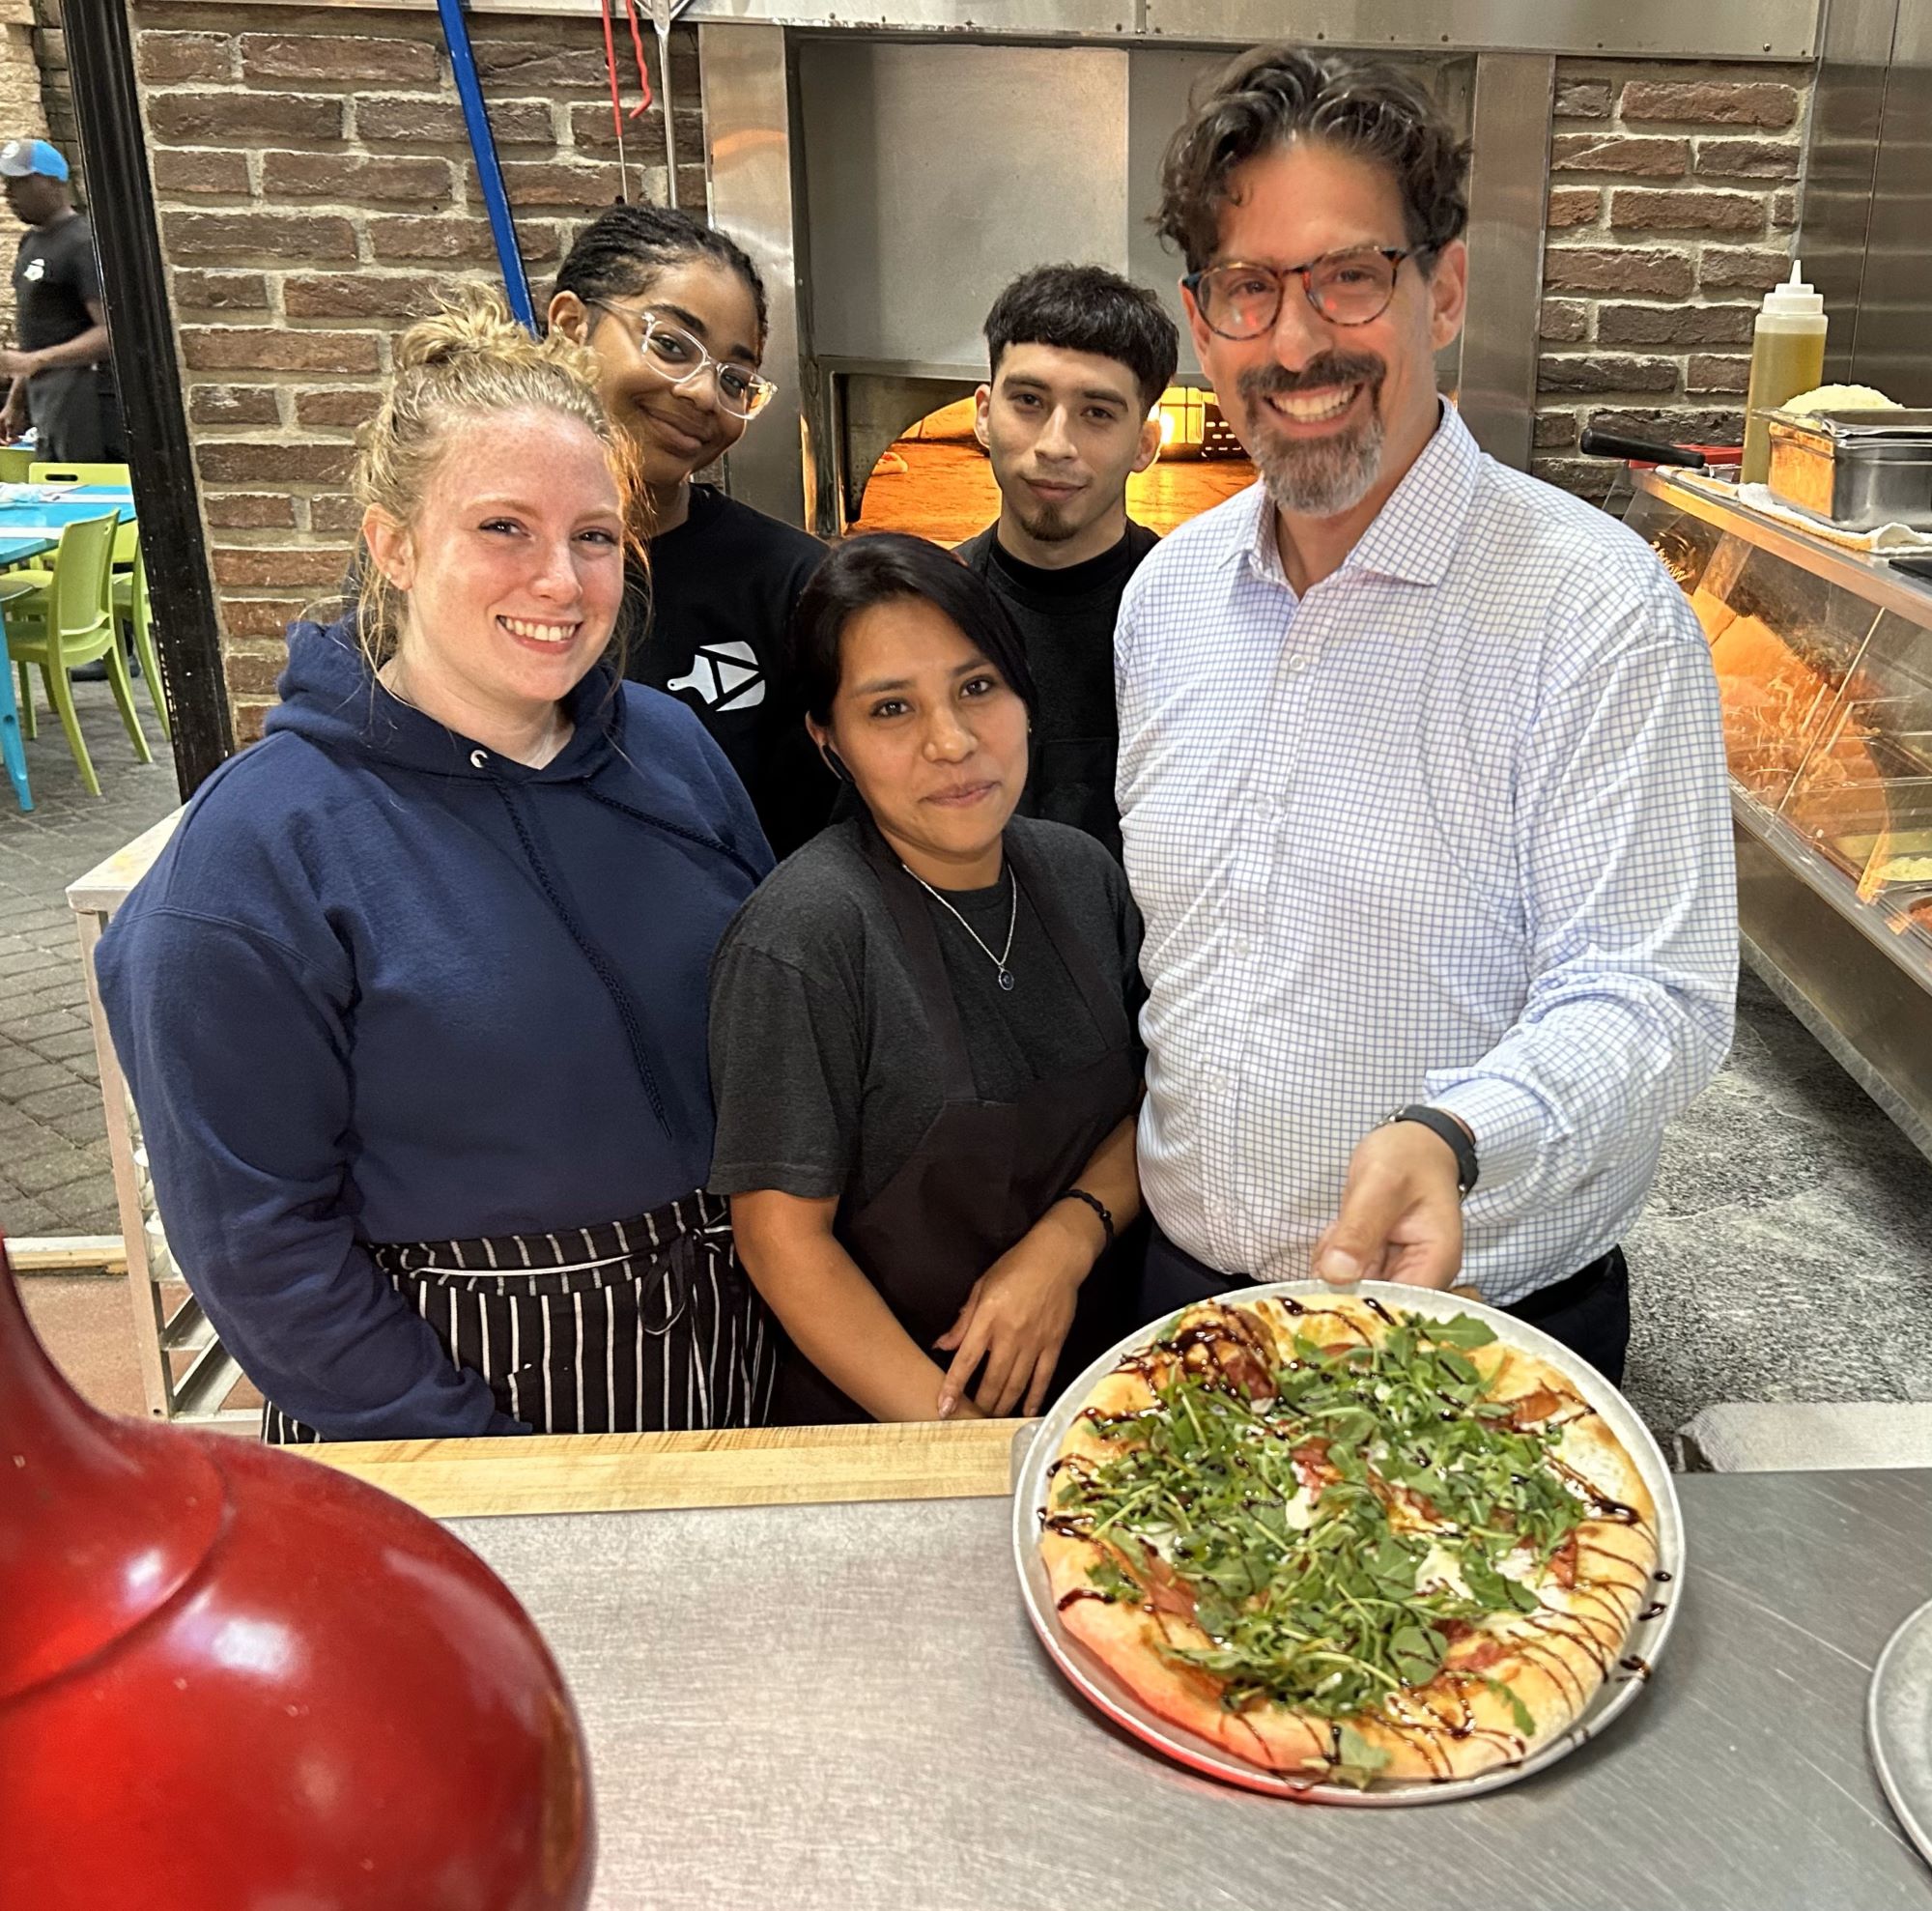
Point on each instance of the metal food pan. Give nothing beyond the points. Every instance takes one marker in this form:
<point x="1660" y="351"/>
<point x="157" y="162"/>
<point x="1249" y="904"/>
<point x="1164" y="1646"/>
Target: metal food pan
<point x="1644" y="1641"/>
<point x="1856" y="469"/>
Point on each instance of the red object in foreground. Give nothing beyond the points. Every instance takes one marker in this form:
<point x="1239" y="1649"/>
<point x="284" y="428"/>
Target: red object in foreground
<point x="233" y="1680"/>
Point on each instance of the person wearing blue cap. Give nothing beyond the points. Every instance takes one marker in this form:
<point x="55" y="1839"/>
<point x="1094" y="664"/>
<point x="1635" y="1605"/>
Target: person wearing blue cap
<point x="62" y="372"/>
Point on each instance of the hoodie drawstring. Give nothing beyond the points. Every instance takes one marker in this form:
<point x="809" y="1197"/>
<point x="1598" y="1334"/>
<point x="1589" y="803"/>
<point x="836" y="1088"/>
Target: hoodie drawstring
<point x="713" y="844"/>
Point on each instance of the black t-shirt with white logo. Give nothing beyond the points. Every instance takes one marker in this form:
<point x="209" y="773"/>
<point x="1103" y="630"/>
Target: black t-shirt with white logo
<point x="722" y="588"/>
<point x="54" y="277"/>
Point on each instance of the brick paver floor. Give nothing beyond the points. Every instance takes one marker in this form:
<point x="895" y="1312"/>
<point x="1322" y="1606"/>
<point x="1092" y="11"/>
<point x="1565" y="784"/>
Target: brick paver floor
<point x="55" y="1174"/>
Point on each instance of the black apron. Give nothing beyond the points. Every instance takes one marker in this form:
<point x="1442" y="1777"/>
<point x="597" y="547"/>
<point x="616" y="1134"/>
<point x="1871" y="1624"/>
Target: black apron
<point x="76" y="417"/>
<point x="628" y="1327"/>
<point x="983" y="1172"/>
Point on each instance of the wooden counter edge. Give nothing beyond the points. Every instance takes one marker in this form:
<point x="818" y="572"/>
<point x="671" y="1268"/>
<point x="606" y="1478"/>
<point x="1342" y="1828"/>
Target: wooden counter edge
<point x="632" y="1472"/>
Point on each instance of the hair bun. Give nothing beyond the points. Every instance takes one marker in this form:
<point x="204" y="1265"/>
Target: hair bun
<point x="471" y="321"/>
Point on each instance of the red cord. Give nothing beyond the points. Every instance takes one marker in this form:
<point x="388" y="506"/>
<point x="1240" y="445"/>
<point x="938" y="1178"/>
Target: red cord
<point x="631" y="10"/>
<point x="611" y="69"/>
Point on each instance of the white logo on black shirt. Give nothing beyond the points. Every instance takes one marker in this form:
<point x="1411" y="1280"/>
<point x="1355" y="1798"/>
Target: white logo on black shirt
<point x="37" y="269"/>
<point x="725" y="676"/>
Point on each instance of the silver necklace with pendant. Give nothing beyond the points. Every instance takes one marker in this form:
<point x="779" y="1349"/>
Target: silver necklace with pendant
<point x="999" y="961"/>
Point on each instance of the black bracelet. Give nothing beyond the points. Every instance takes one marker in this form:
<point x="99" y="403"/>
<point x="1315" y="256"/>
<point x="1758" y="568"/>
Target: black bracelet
<point x="1441" y="1123"/>
<point x="1094" y="1202"/>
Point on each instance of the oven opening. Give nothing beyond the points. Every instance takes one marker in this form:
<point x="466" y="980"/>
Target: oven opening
<point x="935" y="480"/>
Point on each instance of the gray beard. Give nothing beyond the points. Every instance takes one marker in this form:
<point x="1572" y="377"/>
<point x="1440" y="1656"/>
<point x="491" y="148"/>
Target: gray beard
<point x="1320" y="479"/>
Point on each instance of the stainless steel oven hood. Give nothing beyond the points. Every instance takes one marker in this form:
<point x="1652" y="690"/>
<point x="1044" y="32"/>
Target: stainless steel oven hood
<point x="892" y="170"/>
<point x="1631" y="29"/>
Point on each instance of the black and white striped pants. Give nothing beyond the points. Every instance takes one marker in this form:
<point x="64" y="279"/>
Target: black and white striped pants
<point x="628" y="1327"/>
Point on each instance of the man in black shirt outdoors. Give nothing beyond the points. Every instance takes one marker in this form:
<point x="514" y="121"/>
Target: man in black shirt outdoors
<point x="62" y="375"/>
<point x="1079" y="360"/>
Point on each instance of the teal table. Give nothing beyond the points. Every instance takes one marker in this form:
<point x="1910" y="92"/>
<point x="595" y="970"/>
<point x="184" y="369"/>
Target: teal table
<point x="17" y="547"/>
<point x="30" y="530"/>
<point x="76" y="502"/>
<point x="13" y="551"/>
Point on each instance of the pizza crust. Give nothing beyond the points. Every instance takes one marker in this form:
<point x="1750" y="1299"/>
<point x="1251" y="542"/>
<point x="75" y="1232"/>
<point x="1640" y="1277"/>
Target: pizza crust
<point x="1554" y="1660"/>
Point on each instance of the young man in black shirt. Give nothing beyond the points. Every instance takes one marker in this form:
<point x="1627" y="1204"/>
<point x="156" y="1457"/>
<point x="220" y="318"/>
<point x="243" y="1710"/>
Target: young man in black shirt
<point x="1079" y="360"/>
<point x="62" y="375"/>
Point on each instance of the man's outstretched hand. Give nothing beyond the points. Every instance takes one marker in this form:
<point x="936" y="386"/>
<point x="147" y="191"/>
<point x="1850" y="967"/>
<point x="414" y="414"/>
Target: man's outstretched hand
<point x="1402" y="1212"/>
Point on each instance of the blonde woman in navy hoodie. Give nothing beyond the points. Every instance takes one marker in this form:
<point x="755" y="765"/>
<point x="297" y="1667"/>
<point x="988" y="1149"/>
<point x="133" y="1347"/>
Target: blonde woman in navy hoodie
<point x="413" y="1006"/>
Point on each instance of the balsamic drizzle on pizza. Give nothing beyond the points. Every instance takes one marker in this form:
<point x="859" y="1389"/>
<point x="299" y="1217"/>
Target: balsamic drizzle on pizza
<point x="1337" y="1518"/>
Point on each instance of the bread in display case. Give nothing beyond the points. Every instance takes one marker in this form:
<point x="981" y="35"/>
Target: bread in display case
<point x="1783" y="646"/>
<point x="1784" y="643"/>
<point x="1823" y="657"/>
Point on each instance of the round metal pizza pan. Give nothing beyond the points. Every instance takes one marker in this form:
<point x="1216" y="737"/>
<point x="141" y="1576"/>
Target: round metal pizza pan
<point x="1643" y="1648"/>
<point x="1898" y="1722"/>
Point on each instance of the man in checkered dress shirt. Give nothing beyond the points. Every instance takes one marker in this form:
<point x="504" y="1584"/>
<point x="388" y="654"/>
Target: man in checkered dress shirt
<point x="1422" y="780"/>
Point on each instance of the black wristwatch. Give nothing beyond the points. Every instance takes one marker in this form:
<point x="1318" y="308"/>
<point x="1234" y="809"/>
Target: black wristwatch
<point x="1452" y="1132"/>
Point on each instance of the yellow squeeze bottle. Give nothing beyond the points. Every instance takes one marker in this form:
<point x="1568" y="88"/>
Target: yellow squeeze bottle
<point x="1787" y="357"/>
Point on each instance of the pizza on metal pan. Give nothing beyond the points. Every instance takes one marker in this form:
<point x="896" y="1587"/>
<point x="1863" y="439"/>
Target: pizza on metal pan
<point x="1348" y="1543"/>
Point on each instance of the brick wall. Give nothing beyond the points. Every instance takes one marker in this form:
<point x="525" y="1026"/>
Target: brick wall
<point x="315" y="189"/>
<point x="55" y="114"/>
<point x="20" y="117"/>
<point x="1672" y="201"/>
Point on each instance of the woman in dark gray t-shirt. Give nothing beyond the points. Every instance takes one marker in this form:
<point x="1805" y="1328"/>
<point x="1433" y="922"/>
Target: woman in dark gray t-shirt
<point x="922" y="1028"/>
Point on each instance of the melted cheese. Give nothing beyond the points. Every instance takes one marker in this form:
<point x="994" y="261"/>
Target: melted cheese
<point x="1441" y="1568"/>
<point x="1518" y="1563"/>
<point x="1299" y="1510"/>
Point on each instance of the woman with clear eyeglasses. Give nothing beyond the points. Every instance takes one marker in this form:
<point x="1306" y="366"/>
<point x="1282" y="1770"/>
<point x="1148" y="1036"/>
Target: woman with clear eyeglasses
<point x="675" y="312"/>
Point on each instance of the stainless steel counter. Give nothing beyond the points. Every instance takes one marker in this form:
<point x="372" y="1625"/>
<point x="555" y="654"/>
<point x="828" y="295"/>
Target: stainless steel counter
<point x="843" y="1707"/>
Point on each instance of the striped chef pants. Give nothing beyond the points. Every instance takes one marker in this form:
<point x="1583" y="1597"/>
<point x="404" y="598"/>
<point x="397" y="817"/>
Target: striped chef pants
<point x="626" y="1327"/>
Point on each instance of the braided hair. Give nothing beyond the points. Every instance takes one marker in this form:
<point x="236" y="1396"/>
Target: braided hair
<point x="623" y="249"/>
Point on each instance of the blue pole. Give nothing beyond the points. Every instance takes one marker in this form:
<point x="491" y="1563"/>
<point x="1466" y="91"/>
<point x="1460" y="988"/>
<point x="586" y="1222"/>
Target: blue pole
<point x="483" y="145"/>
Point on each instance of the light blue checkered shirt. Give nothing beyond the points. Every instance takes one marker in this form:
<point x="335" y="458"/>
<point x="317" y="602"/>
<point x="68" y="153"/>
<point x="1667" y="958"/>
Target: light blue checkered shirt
<point x="1455" y="828"/>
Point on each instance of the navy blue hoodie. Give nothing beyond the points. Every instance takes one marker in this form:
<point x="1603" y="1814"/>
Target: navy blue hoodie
<point x="386" y="986"/>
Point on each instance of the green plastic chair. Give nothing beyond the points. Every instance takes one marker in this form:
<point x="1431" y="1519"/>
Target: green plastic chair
<point x="13" y="468"/>
<point x="132" y="615"/>
<point x="39" y="574"/>
<point x="126" y="538"/>
<point x="53" y="474"/>
<point x="71" y="621"/>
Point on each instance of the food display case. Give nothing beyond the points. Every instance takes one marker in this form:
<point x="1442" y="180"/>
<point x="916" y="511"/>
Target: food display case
<point x="1823" y="663"/>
